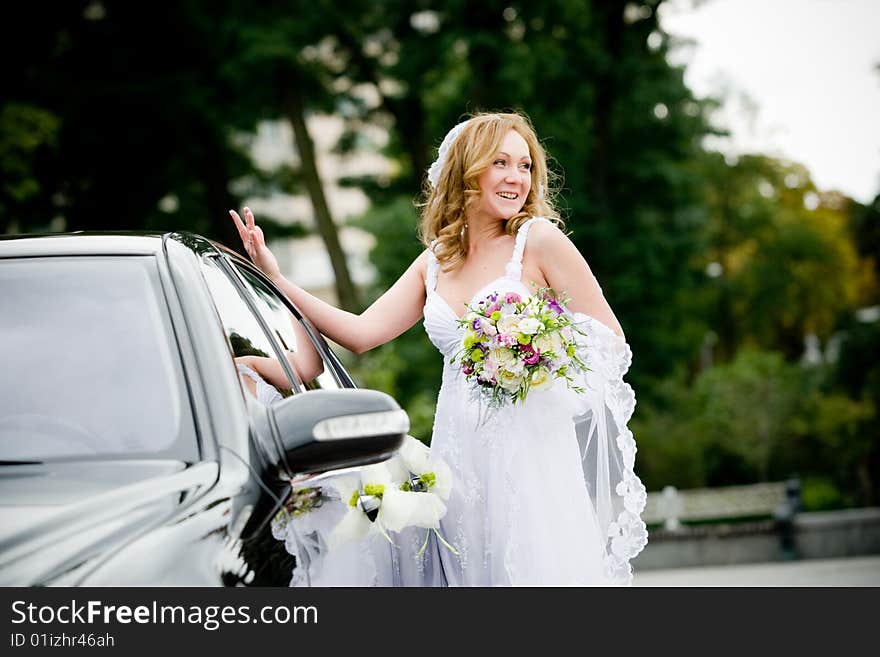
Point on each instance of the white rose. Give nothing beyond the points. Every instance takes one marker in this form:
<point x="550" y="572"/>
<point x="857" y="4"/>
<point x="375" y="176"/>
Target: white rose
<point x="516" y="366"/>
<point x="508" y="381"/>
<point x="508" y="309"/>
<point x="530" y="326"/>
<point x="541" y="379"/>
<point x="503" y="356"/>
<point x="509" y="324"/>
<point x="542" y="343"/>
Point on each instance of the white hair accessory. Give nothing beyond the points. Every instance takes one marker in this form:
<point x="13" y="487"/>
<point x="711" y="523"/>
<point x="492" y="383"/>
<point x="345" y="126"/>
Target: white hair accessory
<point x="436" y="167"/>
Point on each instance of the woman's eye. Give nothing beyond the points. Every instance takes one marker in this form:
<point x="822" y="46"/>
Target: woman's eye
<point x="501" y="162"/>
<point x="525" y="167"/>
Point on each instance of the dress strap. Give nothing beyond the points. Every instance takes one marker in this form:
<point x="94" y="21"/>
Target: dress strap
<point x="266" y="393"/>
<point x="514" y="267"/>
<point x="433" y="266"/>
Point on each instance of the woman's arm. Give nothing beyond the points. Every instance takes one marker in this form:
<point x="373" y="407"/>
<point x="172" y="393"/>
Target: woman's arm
<point x="565" y="270"/>
<point x="390" y="315"/>
<point x="269" y="369"/>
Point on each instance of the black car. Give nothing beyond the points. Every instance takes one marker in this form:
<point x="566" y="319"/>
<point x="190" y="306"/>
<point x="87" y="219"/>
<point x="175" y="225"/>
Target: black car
<point x="157" y="398"/>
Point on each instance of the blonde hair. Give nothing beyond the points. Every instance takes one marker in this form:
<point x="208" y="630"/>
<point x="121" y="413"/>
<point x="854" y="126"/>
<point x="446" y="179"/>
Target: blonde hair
<point x="444" y="208"/>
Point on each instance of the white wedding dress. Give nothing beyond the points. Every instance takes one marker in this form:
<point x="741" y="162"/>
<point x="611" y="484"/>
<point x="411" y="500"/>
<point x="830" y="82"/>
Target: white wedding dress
<point x="544" y="492"/>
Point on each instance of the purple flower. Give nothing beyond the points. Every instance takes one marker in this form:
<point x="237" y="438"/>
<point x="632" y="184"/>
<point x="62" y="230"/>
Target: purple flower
<point x="529" y="355"/>
<point x="476" y="324"/>
<point x="554" y="304"/>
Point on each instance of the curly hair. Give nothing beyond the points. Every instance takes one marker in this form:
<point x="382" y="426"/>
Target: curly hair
<point x="444" y="207"/>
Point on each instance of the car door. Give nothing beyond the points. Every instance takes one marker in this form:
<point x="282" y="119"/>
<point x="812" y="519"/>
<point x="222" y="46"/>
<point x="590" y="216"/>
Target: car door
<point x="225" y="536"/>
<point x="97" y="435"/>
<point x="305" y="355"/>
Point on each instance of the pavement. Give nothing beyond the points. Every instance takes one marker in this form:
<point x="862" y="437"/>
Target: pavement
<point x="851" y="571"/>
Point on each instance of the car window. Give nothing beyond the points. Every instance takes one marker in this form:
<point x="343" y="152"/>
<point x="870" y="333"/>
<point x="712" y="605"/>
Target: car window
<point x="315" y="371"/>
<point x="90" y="364"/>
<point x="256" y="358"/>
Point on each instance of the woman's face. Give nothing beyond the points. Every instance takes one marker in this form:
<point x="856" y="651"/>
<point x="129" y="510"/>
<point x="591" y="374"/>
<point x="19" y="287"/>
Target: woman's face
<point x="506" y="183"/>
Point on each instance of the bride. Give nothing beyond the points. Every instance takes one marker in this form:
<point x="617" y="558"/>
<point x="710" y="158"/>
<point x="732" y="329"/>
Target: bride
<point x="544" y="492"/>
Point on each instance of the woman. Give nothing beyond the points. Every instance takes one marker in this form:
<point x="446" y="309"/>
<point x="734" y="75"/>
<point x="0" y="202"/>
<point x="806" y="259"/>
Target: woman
<point x="528" y="507"/>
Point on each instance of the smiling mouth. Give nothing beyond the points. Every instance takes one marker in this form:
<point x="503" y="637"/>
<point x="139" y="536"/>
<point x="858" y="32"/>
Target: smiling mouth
<point x="510" y="196"/>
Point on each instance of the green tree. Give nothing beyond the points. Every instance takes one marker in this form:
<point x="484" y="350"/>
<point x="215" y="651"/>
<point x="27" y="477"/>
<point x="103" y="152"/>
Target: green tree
<point x="142" y="137"/>
<point x="788" y="265"/>
<point x="27" y="135"/>
<point x="623" y="128"/>
<point x="283" y="80"/>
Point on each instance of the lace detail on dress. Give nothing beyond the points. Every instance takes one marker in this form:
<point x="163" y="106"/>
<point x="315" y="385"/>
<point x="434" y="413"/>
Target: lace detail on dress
<point x="514" y="267"/>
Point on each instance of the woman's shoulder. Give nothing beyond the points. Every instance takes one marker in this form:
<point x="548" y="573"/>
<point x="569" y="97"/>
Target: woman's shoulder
<point x="547" y="235"/>
<point x="551" y="249"/>
<point x="421" y="262"/>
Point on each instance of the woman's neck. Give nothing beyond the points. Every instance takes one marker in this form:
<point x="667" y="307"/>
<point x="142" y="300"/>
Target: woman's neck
<point x="481" y="232"/>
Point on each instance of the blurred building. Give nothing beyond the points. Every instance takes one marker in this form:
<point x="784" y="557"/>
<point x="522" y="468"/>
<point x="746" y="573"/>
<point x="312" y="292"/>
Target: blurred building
<point x="305" y="260"/>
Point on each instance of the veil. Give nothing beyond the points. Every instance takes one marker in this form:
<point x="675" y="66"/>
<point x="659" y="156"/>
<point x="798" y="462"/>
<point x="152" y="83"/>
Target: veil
<point x="607" y="446"/>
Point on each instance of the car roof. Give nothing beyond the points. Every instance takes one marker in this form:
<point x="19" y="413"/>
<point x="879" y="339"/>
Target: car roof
<point x="98" y="243"/>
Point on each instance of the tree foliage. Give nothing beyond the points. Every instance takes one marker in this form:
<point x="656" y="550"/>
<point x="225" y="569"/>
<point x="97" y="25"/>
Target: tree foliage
<point x="128" y="115"/>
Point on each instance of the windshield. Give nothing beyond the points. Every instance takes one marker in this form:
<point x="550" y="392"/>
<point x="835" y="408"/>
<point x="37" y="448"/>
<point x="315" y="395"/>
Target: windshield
<point x="90" y="367"/>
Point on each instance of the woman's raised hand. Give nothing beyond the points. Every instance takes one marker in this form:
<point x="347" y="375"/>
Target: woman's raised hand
<point x="255" y="244"/>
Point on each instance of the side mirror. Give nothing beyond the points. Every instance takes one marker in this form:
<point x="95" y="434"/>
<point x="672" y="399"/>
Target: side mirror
<point x="316" y="431"/>
<point x="321" y="430"/>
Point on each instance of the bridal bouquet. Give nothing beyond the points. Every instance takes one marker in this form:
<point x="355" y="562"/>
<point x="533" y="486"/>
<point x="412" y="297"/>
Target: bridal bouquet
<point x="408" y="490"/>
<point x="513" y="345"/>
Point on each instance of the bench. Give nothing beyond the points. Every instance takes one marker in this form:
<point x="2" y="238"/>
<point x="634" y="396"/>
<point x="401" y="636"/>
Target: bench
<point x="779" y="500"/>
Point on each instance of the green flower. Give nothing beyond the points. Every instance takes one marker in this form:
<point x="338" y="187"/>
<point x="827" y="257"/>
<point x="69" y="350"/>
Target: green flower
<point x="429" y="479"/>
<point x="524" y="339"/>
<point x="570" y="350"/>
<point x="353" y="502"/>
<point x="495" y="316"/>
<point x="476" y="355"/>
<point x="376" y="490"/>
